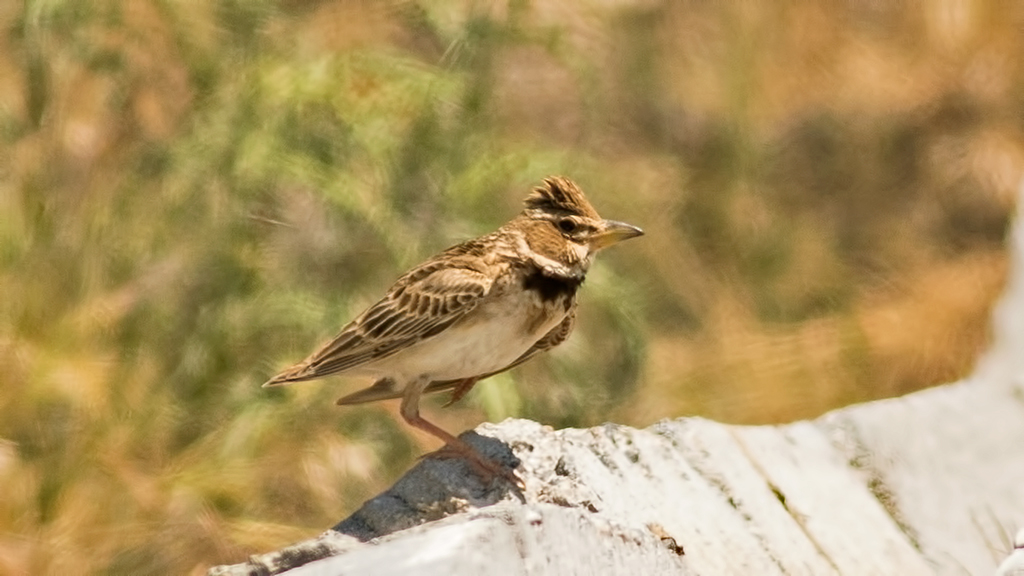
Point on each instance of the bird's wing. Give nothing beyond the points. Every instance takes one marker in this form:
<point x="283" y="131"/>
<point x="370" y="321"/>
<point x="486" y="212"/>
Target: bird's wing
<point x="422" y="304"/>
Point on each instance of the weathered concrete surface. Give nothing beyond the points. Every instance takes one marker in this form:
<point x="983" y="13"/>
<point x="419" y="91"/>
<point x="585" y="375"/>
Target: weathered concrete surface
<point x="508" y="539"/>
<point x="948" y="464"/>
<point x="931" y="483"/>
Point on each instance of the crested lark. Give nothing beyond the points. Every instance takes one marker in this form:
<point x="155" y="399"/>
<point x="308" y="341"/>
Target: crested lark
<point x="472" y="311"/>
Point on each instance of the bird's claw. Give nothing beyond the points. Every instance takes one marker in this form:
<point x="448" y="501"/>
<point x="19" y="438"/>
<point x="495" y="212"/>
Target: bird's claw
<point x="485" y="467"/>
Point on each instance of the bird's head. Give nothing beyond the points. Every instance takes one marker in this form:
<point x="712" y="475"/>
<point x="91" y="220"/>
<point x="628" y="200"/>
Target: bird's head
<point x="564" y="226"/>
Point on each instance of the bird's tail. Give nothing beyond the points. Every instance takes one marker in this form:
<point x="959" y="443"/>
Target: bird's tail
<point x="298" y="373"/>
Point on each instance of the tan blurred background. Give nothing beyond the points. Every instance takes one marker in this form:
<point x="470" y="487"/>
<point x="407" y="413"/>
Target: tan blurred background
<point x="195" y="194"/>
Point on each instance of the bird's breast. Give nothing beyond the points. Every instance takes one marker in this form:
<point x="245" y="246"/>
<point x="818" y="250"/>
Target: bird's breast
<point x="551" y="290"/>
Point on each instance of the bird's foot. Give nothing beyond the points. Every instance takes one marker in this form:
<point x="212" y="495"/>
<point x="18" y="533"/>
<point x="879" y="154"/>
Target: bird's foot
<point x="485" y="467"/>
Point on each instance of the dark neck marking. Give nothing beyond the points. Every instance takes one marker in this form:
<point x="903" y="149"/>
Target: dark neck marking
<point x="551" y="288"/>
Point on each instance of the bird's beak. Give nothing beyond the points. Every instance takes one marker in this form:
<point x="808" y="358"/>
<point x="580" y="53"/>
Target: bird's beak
<point x="613" y="232"/>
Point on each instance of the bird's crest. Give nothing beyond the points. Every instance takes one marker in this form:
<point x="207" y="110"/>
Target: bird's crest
<point x="559" y="194"/>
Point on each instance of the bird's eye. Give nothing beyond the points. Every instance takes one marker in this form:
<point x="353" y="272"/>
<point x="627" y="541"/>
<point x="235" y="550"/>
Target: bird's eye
<point x="567" y="225"/>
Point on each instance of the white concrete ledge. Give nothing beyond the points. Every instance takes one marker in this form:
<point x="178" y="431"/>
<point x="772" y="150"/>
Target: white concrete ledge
<point x="925" y="484"/>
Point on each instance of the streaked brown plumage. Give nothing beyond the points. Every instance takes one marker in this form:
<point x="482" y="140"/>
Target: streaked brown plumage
<point x="478" y="308"/>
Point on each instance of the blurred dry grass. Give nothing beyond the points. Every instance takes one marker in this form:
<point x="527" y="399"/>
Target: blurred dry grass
<point x="193" y="195"/>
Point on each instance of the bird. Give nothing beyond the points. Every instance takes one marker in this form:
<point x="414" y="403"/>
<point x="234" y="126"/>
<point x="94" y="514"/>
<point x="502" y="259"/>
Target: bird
<point x="1013" y="565"/>
<point x="479" y="308"/>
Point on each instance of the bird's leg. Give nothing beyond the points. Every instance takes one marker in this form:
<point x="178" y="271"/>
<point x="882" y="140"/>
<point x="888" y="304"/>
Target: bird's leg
<point x="461" y="389"/>
<point x="454" y="446"/>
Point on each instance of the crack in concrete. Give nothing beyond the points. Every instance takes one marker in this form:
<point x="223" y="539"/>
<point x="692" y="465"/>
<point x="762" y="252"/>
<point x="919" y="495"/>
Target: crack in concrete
<point x="861" y="459"/>
<point x="796" y="516"/>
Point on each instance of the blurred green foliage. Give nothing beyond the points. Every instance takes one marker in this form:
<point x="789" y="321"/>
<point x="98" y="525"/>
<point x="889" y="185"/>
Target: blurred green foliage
<point x="196" y="195"/>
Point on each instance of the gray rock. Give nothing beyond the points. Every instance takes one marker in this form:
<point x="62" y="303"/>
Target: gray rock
<point x="874" y="489"/>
